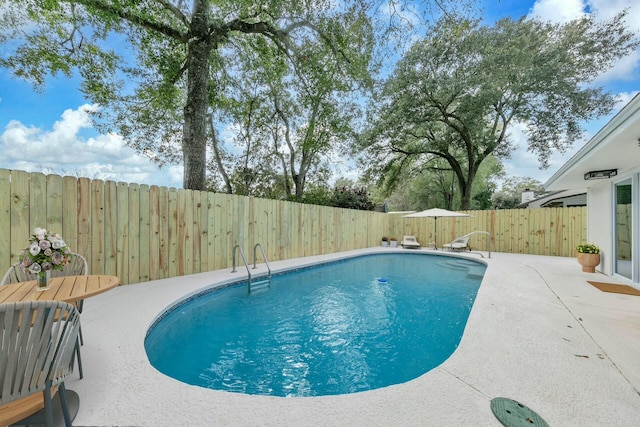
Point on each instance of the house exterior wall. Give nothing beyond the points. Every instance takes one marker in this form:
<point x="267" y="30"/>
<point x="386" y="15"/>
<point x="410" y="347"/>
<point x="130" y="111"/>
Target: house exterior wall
<point x="610" y="226"/>
<point x="600" y="223"/>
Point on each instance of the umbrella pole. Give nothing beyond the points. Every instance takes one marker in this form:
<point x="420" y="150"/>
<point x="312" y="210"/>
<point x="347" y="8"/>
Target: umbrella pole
<point x="435" y="234"/>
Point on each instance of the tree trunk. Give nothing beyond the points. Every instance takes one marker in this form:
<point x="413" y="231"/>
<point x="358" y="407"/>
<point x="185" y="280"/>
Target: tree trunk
<point x="194" y="139"/>
<point x="465" y="190"/>
<point x="306" y="156"/>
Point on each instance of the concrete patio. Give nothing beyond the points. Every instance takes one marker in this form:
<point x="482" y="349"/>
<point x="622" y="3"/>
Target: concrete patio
<point x="538" y="333"/>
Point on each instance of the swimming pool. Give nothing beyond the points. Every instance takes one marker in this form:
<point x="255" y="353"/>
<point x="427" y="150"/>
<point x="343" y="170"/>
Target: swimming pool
<point x="342" y="327"/>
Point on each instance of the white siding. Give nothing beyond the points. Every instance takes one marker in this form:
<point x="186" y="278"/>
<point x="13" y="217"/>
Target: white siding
<point x="600" y="223"/>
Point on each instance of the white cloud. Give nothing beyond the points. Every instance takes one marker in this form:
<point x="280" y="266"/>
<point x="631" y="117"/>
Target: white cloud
<point x="62" y="150"/>
<point x="559" y="11"/>
<point x="626" y="69"/>
<point x="624" y="98"/>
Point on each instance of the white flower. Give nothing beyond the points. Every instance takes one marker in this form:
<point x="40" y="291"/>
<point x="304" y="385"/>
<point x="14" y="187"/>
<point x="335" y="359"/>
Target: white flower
<point x="46" y="251"/>
<point x="35" y="268"/>
<point x="58" y="243"/>
<point x="34" y="249"/>
<point x="40" y="232"/>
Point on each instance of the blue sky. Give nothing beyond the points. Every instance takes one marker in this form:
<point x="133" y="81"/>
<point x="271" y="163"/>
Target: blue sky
<point x="50" y="131"/>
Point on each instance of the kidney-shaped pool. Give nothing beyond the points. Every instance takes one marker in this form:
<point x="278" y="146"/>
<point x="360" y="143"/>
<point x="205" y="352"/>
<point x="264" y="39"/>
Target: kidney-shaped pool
<point x="342" y="327"/>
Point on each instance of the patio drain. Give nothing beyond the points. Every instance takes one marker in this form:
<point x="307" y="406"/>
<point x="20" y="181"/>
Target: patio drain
<point x="514" y="414"/>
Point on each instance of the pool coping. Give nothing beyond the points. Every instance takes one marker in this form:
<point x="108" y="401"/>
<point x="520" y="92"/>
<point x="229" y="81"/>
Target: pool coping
<point x="537" y="333"/>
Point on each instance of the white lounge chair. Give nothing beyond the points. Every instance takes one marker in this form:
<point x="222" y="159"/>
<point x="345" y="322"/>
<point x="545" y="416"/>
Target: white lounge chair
<point x="410" y="242"/>
<point x="459" y="244"/>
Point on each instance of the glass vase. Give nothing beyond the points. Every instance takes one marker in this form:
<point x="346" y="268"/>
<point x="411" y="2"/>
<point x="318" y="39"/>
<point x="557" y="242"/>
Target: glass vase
<point x="43" y="280"/>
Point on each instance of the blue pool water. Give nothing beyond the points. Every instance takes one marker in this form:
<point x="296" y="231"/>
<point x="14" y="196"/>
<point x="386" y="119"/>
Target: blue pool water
<point x="342" y="327"/>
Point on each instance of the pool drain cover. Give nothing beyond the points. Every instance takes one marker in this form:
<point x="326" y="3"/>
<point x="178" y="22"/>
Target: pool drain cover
<point x="514" y="414"/>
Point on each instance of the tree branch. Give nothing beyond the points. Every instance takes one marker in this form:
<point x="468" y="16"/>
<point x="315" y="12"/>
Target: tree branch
<point x="218" y="157"/>
<point x="175" y="11"/>
<point x="108" y="7"/>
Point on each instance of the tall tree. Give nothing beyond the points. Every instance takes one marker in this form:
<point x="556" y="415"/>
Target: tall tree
<point x="317" y="114"/>
<point x="285" y="118"/>
<point x="456" y="94"/>
<point x="162" y="101"/>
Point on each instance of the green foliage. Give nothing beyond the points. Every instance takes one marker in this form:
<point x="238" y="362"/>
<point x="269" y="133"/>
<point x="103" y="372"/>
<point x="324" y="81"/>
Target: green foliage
<point x="434" y="185"/>
<point x="318" y="195"/>
<point x="588" y="248"/>
<point x="352" y="198"/>
<point x="343" y="195"/>
<point x="481" y="200"/>
<point x="510" y="194"/>
<point x="456" y="93"/>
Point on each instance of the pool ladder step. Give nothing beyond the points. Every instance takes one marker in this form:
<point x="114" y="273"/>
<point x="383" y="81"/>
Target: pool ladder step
<point x="259" y="284"/>
<point x="476" y="272"/>
<point x="473" y="270"/>
<point x="454" y="265"/>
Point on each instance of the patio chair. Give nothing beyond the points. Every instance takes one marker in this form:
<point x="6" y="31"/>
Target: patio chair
<point x="76" y="266"/>
<point x="410" y="242"/>
<point x="460" y="243"/>
<point x="16" y="274"/>
<point x="36" y="353"/>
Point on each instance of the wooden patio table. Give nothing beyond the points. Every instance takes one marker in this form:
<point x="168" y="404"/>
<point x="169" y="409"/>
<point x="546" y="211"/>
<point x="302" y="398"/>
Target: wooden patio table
<point x="69" y="289"/>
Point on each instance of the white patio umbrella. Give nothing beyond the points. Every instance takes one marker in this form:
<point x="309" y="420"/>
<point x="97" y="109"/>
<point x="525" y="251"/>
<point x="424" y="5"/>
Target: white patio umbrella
<point x="435" y="213"/>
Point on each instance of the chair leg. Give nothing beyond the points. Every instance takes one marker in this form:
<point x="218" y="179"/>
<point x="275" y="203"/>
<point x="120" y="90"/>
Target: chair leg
<point x="77" y="351"/>
<point x="62" y="392"/>
<point x="48" y="405"/>
<point x="80" y="306"/>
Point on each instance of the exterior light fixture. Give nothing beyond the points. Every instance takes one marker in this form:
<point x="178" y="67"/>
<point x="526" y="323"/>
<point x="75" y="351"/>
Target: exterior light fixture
<point x="603" y="174"/>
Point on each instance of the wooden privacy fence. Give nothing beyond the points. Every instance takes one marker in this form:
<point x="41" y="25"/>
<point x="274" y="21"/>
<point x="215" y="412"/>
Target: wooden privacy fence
<point x="141" y="233"/>
<point x="543" y="231"/>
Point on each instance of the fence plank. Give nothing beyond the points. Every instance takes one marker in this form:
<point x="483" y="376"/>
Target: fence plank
<point x="144" y="235"/>
<point x="54" y="203"/>
<point x="133" y="233"/>
<point x="215" y="229"/>
<point x="77" y="215"/>
<point x="211" y="231"/>
<point x="155" y="247"/>
<point x="110" y="228"/>
<point x="5" y="219"/>
<point x="189" y="255"/>
<point x="172" y="225"/>
<point x="20" y="207"/>
<point x="163" y="223"/>
<point x="122" y="232"/>
<point x="97" y="223"/>
<point x="38" y="194"/>
<point x="75" y="227"/>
